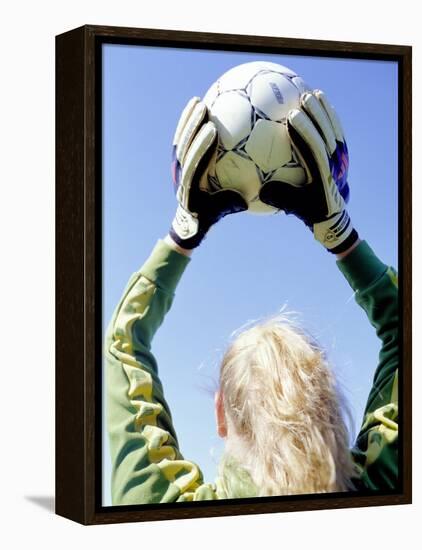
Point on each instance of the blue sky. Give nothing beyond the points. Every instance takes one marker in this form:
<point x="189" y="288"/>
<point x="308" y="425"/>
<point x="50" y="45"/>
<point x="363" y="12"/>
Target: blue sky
<point x="250" y="266"/>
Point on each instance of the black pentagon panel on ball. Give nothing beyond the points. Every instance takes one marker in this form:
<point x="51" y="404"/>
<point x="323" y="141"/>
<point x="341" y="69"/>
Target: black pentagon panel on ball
<point x="265" y="176"/>
<point x="242" y="152"/>
<point x="258" y="114"/>
<point x="220" y="152"/>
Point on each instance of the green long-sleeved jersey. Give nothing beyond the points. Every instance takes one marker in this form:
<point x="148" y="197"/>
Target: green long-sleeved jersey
<point x="148" y="466"/>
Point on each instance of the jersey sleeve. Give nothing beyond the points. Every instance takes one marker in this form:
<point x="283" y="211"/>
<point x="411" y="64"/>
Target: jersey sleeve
<point x="147" y="465"/>
<point x="375" y="452"/>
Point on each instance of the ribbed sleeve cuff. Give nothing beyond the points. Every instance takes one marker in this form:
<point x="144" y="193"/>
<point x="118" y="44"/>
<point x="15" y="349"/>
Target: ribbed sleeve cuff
<point x="165" y="266"/>
<point x="361" y="267"/>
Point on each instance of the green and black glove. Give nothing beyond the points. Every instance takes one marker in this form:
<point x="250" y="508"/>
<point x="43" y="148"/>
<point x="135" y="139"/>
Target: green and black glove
<point x="318" y="140"/>
<point x="194" y="144"/>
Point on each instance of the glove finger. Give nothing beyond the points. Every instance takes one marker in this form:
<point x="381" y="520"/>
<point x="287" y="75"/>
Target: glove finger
<point x="320" y="119"/>
<point x="190" y="128"/>
<point x="187" y="111"/>
<point x="340" y="160"/>
<point x="226" y="202"/>
<point x="331" y="113"/>
<point x="311" y="146"/>
<point x="283" y="196"/>
<point x="197" y="158"/>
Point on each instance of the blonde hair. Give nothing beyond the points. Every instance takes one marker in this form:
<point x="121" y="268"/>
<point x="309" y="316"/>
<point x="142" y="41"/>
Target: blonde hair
<point x="283" y="409"/>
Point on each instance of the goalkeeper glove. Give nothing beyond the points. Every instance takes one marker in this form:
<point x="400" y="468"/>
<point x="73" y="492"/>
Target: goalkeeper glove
<point x="318" y="140"/>
<point x="194" y="144"/>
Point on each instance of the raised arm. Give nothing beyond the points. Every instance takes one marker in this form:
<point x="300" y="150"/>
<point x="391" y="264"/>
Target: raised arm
<point x="147" y="465"/>
<point x="141" y="433"/>
<point x="376" y="448"/>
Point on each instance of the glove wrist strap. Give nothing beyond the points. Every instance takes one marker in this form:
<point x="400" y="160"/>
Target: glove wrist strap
<point x="347" y="243"/>
<point x="337" y="233"/>
<point x="185" y="229"/>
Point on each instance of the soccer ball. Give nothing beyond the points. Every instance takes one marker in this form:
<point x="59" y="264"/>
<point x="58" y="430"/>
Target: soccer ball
<point x="249" y="105"/>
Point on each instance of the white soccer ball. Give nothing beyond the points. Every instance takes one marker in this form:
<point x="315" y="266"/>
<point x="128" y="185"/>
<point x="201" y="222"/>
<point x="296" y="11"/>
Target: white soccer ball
<point x="249" y="105"/>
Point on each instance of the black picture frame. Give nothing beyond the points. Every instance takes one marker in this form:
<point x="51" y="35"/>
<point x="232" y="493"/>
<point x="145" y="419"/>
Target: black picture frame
<point x="78" y="271"/>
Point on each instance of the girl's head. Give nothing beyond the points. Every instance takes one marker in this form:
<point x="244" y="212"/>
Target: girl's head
<point x="279" y="408"/>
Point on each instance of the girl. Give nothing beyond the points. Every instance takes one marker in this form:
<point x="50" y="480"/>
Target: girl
<point x="277" y="406"/>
